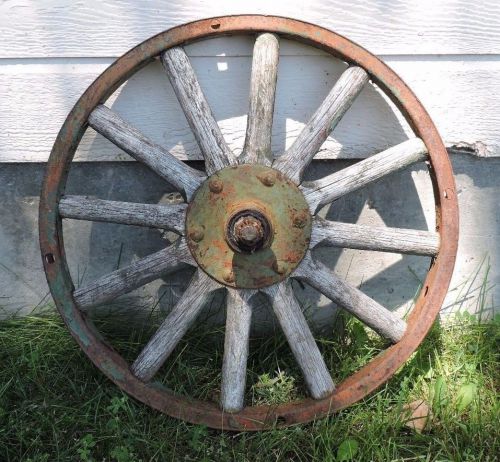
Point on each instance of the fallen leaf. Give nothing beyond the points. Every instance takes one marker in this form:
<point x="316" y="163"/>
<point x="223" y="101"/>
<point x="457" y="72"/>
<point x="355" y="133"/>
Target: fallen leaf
<point x="347" y="450"/>
<point x="465" y="395"/>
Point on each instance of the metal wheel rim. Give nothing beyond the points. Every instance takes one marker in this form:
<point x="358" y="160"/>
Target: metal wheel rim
<point x="365" y="380"/>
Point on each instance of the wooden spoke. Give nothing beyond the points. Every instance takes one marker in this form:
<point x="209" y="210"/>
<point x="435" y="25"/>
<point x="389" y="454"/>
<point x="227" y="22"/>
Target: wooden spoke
<point x="197" y="111"/>
<point x="164" y="216"/>
<point x="257" y="147"/>
<point x="353" y="300"/>
<point x="410" y="241"/>
<point x="174" y="327"/>
<point x="294" y="161"/>
<point x="234" y="368"/>
<point x="356" y="176"/>
<point x="301" y="340"/>
<point x="133" y="142"/>
<point x="135" y="275"/>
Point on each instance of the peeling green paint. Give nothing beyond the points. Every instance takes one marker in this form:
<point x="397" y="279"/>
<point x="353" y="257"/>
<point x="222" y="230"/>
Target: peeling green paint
<point x="244" y="188"/>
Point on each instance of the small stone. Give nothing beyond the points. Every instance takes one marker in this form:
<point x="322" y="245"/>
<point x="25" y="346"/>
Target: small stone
<point x="416" y="415"/>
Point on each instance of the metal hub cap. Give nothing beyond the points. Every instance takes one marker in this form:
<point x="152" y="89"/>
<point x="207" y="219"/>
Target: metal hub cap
<point x="248" y="226"/>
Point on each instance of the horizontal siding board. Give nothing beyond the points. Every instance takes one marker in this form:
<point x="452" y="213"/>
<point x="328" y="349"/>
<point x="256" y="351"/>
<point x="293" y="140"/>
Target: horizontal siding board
<point x="461" y="94"/>
<point x="58" y="28"/>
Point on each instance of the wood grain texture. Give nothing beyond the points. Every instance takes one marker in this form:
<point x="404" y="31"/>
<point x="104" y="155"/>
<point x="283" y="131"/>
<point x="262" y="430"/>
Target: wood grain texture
<point x="175" y="325"/>
<point x="171" y="217"/>
<point x="331" y="187"/>
<point x="60" y="28"/>
<point x="236" y="345"/>
<point x="214" y="148"/>
<point x="300" y="339"/>
<point x="464" y="114"/>
<point x="295" y="160"/>
<point x="133" y="142"/>
<point x="351" y="299"/>
<point x="135" y="275"/>
<point x="257" y="148"/>
<point x="383" y="239"/>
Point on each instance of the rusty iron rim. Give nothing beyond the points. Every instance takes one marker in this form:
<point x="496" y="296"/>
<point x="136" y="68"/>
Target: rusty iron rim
<point x="362" y="382"/>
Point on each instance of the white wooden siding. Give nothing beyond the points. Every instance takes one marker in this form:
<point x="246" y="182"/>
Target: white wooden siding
<point x="462" y="97"/>
<point x="50" y="51"/>
<point x="95" y="28"/>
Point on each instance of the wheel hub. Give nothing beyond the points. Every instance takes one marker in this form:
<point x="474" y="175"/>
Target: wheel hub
<point x="248" y="226"/>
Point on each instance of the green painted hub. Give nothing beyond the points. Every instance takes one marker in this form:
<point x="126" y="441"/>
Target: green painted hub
<point x="267" y="212"/>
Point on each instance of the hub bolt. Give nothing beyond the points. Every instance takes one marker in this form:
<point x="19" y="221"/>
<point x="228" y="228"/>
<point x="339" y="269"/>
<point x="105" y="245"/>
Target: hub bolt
<point x="196" y="235"/>
<point x="229" y="277"/>
<point x="215" y="186"/>
<point x="268" y="179"/>
<point x="279" y="267"/>
<point x="300" y="220"/>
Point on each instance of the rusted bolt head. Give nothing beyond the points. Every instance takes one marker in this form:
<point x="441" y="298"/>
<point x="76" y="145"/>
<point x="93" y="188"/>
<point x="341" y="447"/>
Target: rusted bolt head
<point x="279" y="267"/>
<point x="215" y="185"/>
<point x="196" y="235"/>
<point x="229" y="276"/>
<point x="268" y="179"/>
<point x="300" y="220"/>
<point x="248" y="231"/>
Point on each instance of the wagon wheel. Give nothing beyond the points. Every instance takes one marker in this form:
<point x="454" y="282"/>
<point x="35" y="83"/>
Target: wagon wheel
<point x="249" y="224"/>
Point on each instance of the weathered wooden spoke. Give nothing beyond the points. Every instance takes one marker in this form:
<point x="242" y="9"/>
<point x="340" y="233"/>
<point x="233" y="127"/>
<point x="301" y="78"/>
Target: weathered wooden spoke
<point x="409" y="241"/>
<point x="257" y="148"/>
<point x="356" y="176"/>
<point x="133" y="142"/>
<point x="164" y="216"/>
<point x="234" y="367"/>
<point x="301" y="340"/>
<point x="135" y="275"/>
<point x="353" y="300"/>
<point x="197" y="110"/>
<point x="294" y="161"/>
<point x="175" y="325"/>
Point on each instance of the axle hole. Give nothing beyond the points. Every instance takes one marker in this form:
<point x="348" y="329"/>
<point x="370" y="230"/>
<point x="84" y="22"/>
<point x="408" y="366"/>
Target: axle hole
<point x="215" y="25"/>
<point x="49" y="258"/>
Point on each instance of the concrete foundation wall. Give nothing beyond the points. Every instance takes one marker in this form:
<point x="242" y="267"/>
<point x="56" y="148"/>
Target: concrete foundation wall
<point x="401" y="200"/>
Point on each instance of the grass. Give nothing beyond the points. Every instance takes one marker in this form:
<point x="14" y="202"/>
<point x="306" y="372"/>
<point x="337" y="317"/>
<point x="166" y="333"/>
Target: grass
<point x="54" y="405"/>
